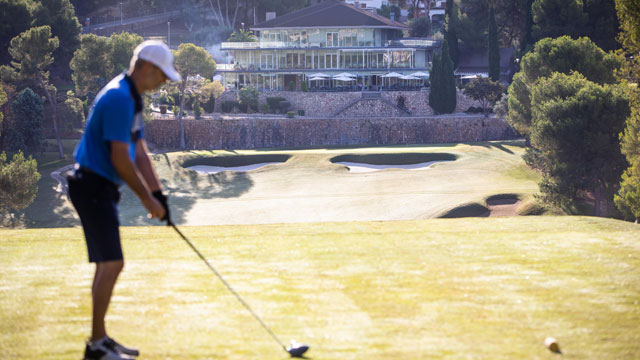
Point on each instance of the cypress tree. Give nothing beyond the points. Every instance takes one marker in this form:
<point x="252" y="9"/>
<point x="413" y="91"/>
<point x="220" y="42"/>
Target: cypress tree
<point x="447" y="81"/>
<point x="494" y="52"/>
<point x="527" y="37"/>
<point x="451" y="31"/>
<point x="434" y="83"/>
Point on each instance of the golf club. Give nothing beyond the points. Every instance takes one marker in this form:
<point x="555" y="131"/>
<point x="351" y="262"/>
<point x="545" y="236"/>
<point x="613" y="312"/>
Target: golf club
<point x="295" y="350"/>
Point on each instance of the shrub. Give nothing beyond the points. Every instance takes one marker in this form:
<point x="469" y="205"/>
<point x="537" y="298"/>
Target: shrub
<point x="265" y="109"/>
<point x="248" y="97"/>
<point x="292" y="86"/>
<point x="197" y="110"/>
<point x="209" y="105"/>
<point x="474" y="110"/>
<point x="305" y="87"/>
<point x="284" y="106"/>
<point x="301" y="112"/>
<point x="274" y="103"/>
<point x="74" y="111"/>
<point x="18" y="181"/>
<point x="401" y="100"/>
<point x="26" y="128"/>
<point x="243" y="107"/>
<point x="163" y="109"/>
<point x="163" y="98"/>
<point x="229" y="105"/>
<point x="291" y="114"/>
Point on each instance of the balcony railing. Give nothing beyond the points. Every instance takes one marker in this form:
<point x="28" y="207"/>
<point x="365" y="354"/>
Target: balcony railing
<point x="412" y="42"/>
<point x="283" y="44"/>
<point x="255" y="45"/>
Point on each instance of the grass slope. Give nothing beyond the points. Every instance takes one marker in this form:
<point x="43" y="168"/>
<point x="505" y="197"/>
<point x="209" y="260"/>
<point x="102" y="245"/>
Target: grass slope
<point x="489" y="288"/>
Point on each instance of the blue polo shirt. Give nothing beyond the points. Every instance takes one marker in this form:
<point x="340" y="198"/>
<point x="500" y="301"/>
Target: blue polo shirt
<point x="116" y="115"/>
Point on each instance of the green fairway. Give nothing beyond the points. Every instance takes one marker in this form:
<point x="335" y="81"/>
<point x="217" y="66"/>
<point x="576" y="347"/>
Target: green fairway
<point x="489" y="288"/>
<point x="309" y="187"/>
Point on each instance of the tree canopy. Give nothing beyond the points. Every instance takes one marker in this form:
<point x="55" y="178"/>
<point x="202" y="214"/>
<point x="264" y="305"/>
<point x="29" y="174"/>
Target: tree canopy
<point x="563" y="55"/>
<point x="242" y="36"/>
<point x="420" y="27"/>
<point x="98" y="59"/>
<point x="484" y="90"/>
<point x="191" y="60"/>
<point x="26" y="123"/>
<point x="554" y="18"/>
<point x="628" y="198"/>
<point x="474" y="22"/>
<point x="32" y="53"/>
<point x="18" y="181"/>
<point x="61" y="16"/>
<point x="574" y="133"/>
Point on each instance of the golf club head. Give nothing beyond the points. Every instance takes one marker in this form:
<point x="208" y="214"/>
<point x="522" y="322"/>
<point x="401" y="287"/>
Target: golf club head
<point x="296" y="349"/>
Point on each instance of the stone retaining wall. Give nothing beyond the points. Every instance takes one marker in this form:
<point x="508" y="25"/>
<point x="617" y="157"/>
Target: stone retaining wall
<point x="329" y="103"/>
<point x="251" y="133"/>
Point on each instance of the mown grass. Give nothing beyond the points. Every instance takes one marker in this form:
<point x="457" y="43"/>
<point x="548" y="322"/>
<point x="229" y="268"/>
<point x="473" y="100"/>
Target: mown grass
<point x="308" y="187"/>
<point x="490" y="288"/>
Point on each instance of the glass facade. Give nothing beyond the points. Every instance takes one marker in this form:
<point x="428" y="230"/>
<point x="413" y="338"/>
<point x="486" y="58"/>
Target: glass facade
<point x="285" y="56"/>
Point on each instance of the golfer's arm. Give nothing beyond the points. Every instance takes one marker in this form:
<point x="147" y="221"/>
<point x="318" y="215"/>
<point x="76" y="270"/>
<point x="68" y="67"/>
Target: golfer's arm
<point x="127" y="170"/>
<point x="143" y="163"/>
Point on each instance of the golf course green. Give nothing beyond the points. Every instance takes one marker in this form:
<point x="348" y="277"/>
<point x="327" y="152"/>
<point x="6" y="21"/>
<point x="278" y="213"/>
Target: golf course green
<point x="483" y="288"/>
<point x="378" y="265"/>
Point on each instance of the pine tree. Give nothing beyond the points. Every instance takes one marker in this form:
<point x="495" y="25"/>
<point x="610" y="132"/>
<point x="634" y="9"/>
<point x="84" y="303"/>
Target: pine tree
<point x="494" y="52"/>
<point x="26" y="128"/>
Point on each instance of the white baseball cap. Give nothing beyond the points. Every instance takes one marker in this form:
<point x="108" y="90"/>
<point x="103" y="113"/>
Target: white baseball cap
<point x="157" y="53"/>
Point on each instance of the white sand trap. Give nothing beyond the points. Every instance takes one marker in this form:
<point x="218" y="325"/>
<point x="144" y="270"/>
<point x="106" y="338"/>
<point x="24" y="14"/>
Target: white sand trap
<point x="362" y="168"/>
<point x="205" y="169"/>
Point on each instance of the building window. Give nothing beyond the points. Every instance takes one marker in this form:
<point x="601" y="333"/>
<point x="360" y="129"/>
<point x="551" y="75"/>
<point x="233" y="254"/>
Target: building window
<point x="331" y="61"/>
<point x="332" y="39"/>
<point x="266" y="61"/>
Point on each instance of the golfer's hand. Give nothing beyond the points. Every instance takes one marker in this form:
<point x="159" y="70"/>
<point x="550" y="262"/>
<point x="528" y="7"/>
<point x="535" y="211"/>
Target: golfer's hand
<point x="154" y="207"/>
<point x="162" y="198"/>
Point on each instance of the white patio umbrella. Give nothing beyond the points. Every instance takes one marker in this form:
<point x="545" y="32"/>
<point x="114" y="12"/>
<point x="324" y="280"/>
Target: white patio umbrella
<point x="344" y="74"/>
<point x="343" y="78"/>
<point x="475" y="76"/>
<point x="320" y="75"/>
<point x="316" y="78"/>
<point x="392" y="75"/>
<point x="409" y="77"/>
<point x="420" y="74"/>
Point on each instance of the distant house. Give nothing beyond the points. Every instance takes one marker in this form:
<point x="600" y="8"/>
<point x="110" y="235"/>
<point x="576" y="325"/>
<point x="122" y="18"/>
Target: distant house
<point x="474" y="63"/>
<point x="324" y="40"/>
<point x="368" y="4"/>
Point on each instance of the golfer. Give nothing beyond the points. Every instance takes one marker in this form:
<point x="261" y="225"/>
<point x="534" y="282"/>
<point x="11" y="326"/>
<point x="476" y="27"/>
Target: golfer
<point x="112" y="151"/>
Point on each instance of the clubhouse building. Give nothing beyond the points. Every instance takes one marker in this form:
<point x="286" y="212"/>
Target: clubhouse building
<point x="328" y="46"/>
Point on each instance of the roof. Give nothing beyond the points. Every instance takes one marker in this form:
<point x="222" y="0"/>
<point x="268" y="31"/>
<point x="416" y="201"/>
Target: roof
<point x="330" y="14"/>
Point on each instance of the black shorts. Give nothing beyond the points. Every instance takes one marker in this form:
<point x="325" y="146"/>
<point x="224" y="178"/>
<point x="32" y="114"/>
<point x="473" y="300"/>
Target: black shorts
<point x="95" y="199"/>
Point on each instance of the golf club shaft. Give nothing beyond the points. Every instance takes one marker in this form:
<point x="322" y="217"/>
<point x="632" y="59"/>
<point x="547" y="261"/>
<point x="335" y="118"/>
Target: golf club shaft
<point x="244" y="303"/>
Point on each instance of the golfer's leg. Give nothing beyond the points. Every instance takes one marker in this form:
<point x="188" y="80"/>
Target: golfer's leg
<point x="103" y="283"/>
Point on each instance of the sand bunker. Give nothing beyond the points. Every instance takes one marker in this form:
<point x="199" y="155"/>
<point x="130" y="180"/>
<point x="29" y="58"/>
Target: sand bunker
<point x="206" y="169"/>
<point x="237" y="163"/>
<point x="362" y="163"/>
<point x="364" y="168"/>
